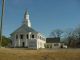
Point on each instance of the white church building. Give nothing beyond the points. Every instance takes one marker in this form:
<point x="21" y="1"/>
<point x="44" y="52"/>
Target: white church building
<point x="26" y="37"/>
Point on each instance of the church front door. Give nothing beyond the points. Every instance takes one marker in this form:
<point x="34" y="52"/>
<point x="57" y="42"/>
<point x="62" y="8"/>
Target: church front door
<point x="23" y="44"/>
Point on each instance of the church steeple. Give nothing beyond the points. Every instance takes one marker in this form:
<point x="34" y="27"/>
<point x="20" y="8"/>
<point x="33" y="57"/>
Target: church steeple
<point x="26" y="19"/>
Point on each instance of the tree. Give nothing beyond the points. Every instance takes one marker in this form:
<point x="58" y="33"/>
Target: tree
<point x="56" y="33"/>
<point x="77" y="31"/>
<point x="71" y="38"/>
<point x="5" y="41"/>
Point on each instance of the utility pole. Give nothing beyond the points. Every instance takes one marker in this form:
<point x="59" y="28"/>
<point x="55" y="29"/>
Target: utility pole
<point x="1" y="22"/>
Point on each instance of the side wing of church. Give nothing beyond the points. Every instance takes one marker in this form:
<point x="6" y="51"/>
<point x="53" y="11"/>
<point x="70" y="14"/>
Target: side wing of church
<point x="26" y="37"/>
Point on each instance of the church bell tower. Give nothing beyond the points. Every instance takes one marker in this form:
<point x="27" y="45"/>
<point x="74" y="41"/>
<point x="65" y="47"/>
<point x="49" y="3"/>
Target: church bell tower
<point x="26" y="19"/>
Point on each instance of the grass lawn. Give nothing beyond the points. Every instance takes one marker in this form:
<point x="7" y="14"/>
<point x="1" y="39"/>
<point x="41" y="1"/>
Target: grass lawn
<point x="54" y="54"/>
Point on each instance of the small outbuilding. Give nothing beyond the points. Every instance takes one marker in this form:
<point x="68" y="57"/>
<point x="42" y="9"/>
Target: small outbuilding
<point x="53" y="43"/>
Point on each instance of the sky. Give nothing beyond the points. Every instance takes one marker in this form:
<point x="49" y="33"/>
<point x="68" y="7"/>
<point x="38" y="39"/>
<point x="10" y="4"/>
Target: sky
<point x="45" y="15"/>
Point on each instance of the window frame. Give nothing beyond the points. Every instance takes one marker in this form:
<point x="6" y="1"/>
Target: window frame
<point x="21" y="36"/>
<point x="32" y="36"/>
<point x="27" y="36"/>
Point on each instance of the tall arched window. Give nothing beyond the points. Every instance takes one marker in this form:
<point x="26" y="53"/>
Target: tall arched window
<point x="27" y="36"/>
<point x="32" y="36"/>
<point x="21" y="36"/>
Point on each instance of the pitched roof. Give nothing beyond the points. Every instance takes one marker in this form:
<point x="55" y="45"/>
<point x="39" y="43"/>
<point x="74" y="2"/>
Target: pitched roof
<point x="25" y="28"/>
<point x="29" y="29"/>
<point x="52" y="40"/>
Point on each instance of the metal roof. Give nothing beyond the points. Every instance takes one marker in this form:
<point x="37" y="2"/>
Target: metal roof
<point x="52" y="40"/>
<point x="25" y="28"/>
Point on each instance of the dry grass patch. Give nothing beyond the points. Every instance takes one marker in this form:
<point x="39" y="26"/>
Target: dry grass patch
<point x="56" y="54"/>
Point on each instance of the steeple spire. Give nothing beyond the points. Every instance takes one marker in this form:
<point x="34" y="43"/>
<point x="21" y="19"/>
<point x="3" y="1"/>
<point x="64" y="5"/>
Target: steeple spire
<point x="26" y="12"/>
<point x="26" y="19"/>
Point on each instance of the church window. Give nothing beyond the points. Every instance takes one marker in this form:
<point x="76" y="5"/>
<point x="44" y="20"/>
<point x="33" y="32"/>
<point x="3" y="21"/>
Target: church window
<point x="27" y="36"/>
<point x="21" y="36"/>
<point x="16" y="36"/>
<point x="32" y="36"/>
